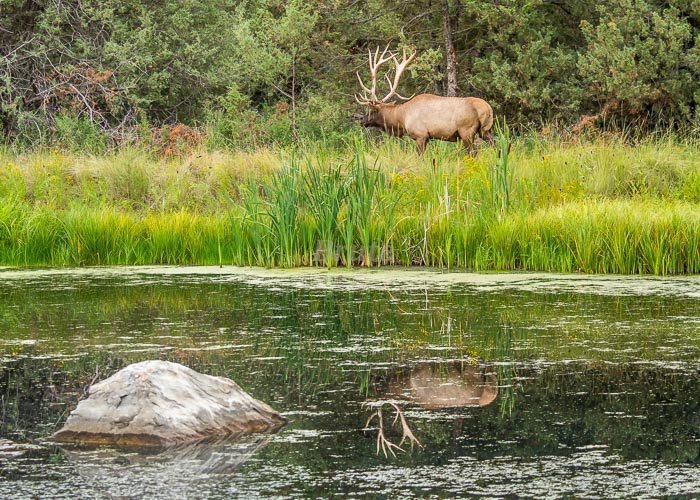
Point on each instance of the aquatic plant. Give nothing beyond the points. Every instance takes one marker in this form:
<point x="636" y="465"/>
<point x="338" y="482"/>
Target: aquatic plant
<point x="326" y="189"/>
<point x="282" y="207"/>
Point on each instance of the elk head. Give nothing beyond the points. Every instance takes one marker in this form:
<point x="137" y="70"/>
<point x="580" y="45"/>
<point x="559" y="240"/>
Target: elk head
<point x="368" y="97"/>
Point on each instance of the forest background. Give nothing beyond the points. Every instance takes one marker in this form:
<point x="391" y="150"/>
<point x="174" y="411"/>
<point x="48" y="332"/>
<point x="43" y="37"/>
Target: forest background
<point x="88" y="74"/>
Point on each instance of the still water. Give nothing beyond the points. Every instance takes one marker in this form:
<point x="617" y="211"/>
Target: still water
<point x="514" y="384"/>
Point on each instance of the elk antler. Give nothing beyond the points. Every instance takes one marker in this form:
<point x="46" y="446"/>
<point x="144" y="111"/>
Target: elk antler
<point x="407" y="433"/>
<point x="374" y="63"/>
<point x="398" y="70"/>
<point x="383" y="444"/>
<point x="376" y="60"/>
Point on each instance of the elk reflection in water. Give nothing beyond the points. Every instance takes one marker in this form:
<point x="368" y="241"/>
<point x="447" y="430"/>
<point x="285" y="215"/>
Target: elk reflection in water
<point x="435" y="386"/>
<point x="432" y="386"/>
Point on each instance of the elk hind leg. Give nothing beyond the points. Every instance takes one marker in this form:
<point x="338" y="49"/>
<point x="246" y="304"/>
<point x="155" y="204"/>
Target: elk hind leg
<point x="467" y="135"/>
<point x="488" y="137"/>
<point x="421" y="143"/>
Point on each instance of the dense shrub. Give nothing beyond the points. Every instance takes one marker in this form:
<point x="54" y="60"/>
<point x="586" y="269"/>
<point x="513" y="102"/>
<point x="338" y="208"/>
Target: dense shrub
<point x="87" y="72"/>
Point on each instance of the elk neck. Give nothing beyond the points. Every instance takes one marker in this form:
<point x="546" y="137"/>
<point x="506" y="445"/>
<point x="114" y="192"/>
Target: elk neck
<point x="392" y="116"/>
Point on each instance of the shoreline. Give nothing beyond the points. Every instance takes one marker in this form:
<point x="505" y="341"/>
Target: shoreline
<point x="389" y="278"/>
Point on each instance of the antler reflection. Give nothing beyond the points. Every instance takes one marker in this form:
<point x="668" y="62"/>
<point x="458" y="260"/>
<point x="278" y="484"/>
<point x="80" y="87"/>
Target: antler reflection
<point x="383" y="444"/>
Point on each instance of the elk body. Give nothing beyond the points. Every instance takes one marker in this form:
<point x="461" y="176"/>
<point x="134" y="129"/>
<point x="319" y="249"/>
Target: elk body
<point x="424" y="116"/>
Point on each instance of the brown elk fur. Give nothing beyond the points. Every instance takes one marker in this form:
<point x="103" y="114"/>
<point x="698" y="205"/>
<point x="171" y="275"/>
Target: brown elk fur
<point x="428" y="116"/>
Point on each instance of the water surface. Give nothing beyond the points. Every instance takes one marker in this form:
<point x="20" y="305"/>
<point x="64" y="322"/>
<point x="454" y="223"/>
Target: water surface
<point x="514" y="384"/>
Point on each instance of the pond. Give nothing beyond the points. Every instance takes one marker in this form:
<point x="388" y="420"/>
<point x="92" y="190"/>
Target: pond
<point x="513" y="384"/>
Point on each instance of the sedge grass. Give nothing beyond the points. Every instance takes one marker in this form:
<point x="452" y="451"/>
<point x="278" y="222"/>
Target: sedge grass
<point x="326" y="190"/>
<point x="598" y="237"/>
<point x="283" y="195"/>
<point x="596" y="207"/>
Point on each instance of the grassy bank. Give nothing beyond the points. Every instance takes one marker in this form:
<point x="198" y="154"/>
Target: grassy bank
<point x="601" y="206"/>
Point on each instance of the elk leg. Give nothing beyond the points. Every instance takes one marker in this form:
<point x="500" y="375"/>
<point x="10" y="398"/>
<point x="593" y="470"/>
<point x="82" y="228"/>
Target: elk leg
<point x="488" y="137"/>
<point x="467" y="136"/>
<point x="421" y="143"/>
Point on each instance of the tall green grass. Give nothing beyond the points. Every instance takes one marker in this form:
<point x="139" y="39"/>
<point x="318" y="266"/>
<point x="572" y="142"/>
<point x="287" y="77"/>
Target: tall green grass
<point x="283" y="196"/>
<point x="501" y="174"/>
<point x="610" y="237"/>
<point x="599" y="207"/>
<point x="326" y="190"/>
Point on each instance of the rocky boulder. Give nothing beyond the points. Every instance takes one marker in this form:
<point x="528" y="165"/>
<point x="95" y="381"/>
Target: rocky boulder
<point x="159" y="403"/>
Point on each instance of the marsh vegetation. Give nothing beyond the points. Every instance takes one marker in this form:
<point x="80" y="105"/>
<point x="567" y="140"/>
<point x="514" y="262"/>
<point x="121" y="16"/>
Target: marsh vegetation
<point x="220" y="132"/>
<point x="605" y="205"/>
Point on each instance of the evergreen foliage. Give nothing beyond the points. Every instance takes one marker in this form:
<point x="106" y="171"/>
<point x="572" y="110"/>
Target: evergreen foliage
<point x="271" y="71"/>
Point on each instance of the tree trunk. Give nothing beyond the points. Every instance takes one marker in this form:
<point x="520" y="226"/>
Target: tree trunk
<point x="450" y="54"/>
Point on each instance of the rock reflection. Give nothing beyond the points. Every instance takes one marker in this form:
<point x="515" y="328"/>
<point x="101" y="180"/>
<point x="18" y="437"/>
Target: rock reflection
<point x="435" y="386"/>
<point x="185" y="471"/>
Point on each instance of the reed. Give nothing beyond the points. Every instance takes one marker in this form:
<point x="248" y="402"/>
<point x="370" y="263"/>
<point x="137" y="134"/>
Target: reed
<point x="369" y="213"/>
<point x="326" y="190"/>
<point x="600" y="207"/>
<point x="501" y="176"/>
<point x="283" y="197"/>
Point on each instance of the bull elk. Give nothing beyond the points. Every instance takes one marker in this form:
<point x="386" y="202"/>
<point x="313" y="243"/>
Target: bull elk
<point x="425" y="116"/>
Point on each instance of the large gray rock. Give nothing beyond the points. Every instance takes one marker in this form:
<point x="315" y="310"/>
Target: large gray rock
<point x="159" y="403"/>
